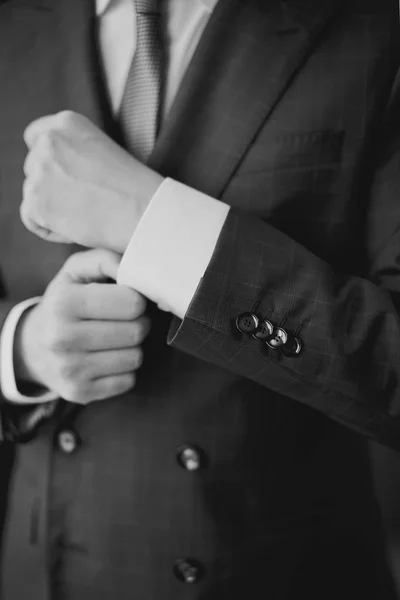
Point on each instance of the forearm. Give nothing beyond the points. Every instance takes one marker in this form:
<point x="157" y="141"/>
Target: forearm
<point x="350" y="328"/>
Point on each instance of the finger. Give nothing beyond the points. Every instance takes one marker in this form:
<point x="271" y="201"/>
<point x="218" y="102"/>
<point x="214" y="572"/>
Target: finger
<point x="55" y="238"/>
<point x="42" y="232"/>
<point x="25" y="210"/>
<point x="32" y="226"/>
<point x="114" y="385"/>
<point x="110" y="335"/>
<point x="113" y="362"/>
<point x="91" y="266"/>
<point x="111" y="302"/>
<point x="30" y="163"/>
<point x="35" y="129"/>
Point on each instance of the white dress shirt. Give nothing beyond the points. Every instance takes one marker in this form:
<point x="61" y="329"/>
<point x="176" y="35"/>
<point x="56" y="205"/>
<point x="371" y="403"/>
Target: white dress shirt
<point x="173" y="244"/>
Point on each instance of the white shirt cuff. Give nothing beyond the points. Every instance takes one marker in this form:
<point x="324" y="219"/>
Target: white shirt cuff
<point x="8" y="384"/>
<point x="173" y="245"/>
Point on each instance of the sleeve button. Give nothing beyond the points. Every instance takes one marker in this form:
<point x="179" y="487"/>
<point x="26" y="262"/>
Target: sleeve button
<point x="264" y="331"/>
<point x="278" y="338"/>
<point x="247" y="322"/>
<point x="293" y="347"/>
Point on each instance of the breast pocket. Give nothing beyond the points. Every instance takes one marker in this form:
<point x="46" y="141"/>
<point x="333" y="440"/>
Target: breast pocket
<point x="308" y="150"/>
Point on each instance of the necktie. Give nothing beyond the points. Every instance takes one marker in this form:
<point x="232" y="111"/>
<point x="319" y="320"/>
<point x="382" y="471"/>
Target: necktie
<point x="139" y="111"/>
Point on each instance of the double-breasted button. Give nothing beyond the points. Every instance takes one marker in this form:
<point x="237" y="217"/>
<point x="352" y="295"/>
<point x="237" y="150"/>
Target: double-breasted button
<point x="190" y="458"/>
<point x="68" y="441"/>
<point x="188" y="570"/>
<point x="247" y="322"/>
<point x="264" y="331"/>
<point x="278" y="338"/>
<point x="293" y="347"/>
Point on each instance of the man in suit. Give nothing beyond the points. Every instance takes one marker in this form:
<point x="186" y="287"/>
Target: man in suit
<point x="262" y="225"/>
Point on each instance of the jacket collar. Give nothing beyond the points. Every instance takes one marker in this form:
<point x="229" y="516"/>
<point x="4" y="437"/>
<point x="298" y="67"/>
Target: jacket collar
<point x="255" y="49"/>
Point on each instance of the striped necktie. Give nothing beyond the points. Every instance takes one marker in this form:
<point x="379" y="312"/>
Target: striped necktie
<point x="140" y="106"/>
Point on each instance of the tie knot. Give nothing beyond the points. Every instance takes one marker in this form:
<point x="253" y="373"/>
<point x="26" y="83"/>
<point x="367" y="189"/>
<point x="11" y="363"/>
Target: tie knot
<point x="147" y="6"/>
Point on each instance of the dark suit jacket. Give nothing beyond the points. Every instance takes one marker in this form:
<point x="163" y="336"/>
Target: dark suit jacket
<point x="290" y="113"/>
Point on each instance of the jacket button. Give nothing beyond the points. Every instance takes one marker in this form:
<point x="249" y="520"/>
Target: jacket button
<point x="190" y="458"/>
<point x="278" y="338"/>
<point x="188" y="570"/>
<point x="247" y="322"/>
<point x="264" y="331"/>
<point x="293" y="347"/>
<point x="67" y="441"/>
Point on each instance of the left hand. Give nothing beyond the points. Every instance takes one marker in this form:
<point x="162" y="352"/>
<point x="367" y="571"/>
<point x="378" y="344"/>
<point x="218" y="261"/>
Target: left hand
<point x="80" y="186"/>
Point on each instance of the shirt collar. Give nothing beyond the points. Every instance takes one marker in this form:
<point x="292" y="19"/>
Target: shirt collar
<point x="103" y="5"/>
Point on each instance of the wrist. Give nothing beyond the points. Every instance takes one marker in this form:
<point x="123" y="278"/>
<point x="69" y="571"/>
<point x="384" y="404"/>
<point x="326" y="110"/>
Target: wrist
<point x="127" y="219"/>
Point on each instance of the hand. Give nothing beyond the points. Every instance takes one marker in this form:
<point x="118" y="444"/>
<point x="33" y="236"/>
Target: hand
<point x="83" y="339"/>
<point x="81" y="186"/>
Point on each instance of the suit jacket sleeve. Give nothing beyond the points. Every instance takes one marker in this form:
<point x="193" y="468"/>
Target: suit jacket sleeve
<point x="349" y="368"/>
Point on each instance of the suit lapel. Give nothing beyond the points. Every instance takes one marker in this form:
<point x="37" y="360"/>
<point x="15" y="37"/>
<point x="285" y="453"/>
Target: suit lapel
<point x="56" y="45"/>
<point x="246" y="59"/>
<point x="83" y="80"/>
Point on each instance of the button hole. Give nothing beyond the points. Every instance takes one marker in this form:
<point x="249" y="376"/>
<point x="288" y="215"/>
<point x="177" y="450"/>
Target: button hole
<point x="297" y="330"/>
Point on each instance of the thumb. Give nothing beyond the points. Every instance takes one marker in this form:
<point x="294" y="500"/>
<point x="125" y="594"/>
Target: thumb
<point x="90" y="266"/>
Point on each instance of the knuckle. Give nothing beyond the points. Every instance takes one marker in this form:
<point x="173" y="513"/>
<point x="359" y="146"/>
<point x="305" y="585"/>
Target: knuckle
<point x="73" y="392"/>
<point x="74" y="261"/>
<point x="46" y="144"/>
<point x="131" y="308"/>
<point x="124" y="383"/>
<point x="39" y="174"/>
<point x="135" y="304"/>
<point x="69" y="369"/>
<point x="57" y="340"/>
<point x="119" y="385"/>
<point x="59" y="304"/>
<point x="31" y="189"/>
<point x="140" y="330"/>
<point x="28" y="163"/>
<point x="24" y="210"/>
<point x="67" y="117"/>
<point x="136" y="333"/>
<point x="137" y="358"/>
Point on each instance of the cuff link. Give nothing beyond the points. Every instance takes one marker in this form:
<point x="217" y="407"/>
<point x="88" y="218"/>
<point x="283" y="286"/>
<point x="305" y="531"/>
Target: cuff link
<point x="247" y="322"/>
<point x="277" y="339"/>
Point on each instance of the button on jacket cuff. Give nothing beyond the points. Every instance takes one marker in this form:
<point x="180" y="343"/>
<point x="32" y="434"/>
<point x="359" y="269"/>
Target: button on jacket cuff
<point x="173" y="245"/>
<point x="8" y="384"/>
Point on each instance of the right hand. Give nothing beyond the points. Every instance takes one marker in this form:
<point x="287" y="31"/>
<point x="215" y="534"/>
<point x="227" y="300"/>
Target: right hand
<point x="82" y="341"/>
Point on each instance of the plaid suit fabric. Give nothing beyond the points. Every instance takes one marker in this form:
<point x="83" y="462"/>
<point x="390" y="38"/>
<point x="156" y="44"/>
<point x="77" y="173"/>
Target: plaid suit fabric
<point x="282" y="506"/>
<point x="323" y="262"/>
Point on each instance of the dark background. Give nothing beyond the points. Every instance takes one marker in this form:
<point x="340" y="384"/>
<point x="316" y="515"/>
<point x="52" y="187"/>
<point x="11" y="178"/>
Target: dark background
<point x="386" y="464"/>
